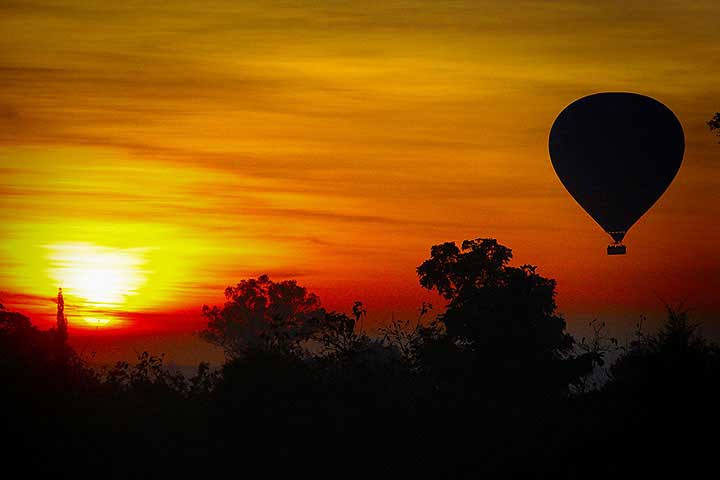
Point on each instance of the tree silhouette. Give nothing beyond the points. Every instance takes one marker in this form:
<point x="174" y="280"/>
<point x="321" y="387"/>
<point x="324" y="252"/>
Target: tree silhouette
<point x="504" y="316"/>
<point x="490" y="301"/>
<point x="714" y="123"/>
<point x="261" y="314"/>
<point x="61" y="319"/>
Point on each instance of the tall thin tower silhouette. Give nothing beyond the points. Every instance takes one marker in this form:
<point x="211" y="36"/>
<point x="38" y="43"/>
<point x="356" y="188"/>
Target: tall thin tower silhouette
<point x="61" y="320"/>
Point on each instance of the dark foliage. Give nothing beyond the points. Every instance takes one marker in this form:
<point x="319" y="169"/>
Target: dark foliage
<point x="262" y="314"/>
<point x="714" y="123"/>
<point x="494" y="386"/>
<point x="503" y="317"/>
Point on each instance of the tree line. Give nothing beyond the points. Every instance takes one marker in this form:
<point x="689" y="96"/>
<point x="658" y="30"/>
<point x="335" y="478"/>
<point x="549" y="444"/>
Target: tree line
<point x="492" y="386"/>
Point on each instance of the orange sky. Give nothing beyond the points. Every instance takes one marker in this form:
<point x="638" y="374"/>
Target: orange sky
<point x="152" y="153"/>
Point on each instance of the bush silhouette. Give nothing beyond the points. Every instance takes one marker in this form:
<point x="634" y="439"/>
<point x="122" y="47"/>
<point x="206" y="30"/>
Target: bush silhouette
<point x="654" y="415"/>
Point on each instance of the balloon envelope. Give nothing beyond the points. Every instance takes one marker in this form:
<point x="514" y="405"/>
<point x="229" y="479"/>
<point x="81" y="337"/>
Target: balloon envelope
<point x="616" y="153"/>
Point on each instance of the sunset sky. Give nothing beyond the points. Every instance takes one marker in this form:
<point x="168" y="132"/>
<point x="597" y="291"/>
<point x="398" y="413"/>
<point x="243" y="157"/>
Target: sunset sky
<point x="152" y="153"/>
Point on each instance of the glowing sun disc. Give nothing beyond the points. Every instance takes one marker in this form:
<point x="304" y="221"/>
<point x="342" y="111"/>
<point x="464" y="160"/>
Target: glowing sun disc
<point x="98" y="276"/>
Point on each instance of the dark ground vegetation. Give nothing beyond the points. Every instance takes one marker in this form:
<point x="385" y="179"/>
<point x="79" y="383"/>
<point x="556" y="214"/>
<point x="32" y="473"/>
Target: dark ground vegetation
<point x="492" y="387"/>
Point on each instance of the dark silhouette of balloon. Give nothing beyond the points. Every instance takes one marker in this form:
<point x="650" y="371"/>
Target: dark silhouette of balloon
<point x="616" y="153"/>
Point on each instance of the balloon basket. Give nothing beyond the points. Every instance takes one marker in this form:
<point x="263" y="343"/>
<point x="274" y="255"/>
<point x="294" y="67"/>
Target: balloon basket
<point x="616" y="249"/>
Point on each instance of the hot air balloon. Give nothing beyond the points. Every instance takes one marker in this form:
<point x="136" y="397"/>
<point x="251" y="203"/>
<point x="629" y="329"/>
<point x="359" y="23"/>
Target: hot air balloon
<point x="616" y="153"/>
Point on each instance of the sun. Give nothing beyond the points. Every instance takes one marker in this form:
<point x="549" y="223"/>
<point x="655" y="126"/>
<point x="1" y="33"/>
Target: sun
<point x="98" y="278"/>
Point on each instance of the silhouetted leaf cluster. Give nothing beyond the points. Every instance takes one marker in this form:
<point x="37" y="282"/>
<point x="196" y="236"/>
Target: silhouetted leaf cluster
<point x="714" y="123"/>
